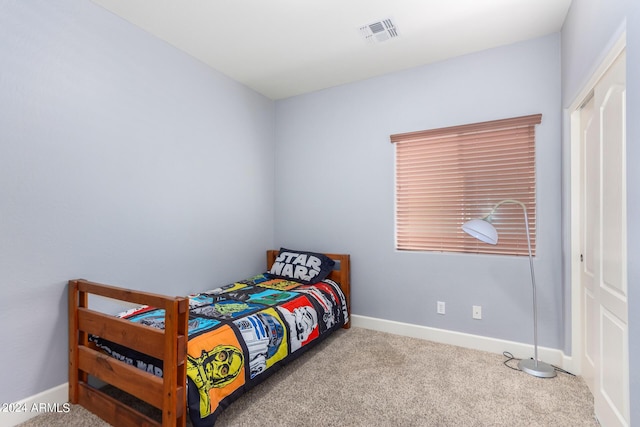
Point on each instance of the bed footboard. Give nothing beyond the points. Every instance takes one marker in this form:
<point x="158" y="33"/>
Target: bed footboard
<point x="169" y="345"/>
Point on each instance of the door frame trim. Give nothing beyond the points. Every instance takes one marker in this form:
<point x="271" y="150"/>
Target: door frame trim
<point x="572" y="117"/>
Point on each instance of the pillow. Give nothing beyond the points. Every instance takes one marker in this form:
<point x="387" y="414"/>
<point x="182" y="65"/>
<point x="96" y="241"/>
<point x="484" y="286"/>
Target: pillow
<point x="301" y="266"/>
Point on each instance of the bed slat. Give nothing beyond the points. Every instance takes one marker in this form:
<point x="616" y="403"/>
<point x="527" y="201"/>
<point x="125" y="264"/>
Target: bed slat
<point x="106" y="407"/>
<point x="142" y="338"/>
<point x="122" y="294"/>
<point x="137" y="382"/>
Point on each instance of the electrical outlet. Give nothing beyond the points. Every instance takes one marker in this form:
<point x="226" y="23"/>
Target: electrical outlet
<point x="477" y="312"/>
<point x="440" y="307"/>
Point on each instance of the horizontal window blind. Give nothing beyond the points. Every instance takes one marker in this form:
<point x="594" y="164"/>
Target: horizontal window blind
<point x="447" y="176"/>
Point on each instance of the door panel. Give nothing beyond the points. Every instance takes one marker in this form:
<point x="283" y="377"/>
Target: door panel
<point x="612" y="372"/>
<point x="613" y="214"/>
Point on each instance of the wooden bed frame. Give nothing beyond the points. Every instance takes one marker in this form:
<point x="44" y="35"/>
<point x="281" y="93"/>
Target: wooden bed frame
<point x="169" y="345"/>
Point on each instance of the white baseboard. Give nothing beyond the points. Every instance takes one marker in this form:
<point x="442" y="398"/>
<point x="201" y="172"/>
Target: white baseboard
<point x="53" y="400"/>
<point x="492" y="345"/>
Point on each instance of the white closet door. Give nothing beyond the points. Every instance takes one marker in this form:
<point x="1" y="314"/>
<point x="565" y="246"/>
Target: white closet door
<point x="605" y="358"/>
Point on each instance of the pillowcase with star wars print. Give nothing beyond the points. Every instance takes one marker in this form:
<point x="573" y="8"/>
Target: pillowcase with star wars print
<point x="301" y="266"/>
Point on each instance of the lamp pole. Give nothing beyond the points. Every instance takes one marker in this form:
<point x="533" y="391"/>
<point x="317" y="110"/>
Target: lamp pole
<point x="532" y="367"/>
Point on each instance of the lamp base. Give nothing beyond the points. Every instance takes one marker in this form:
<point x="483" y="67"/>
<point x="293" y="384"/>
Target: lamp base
<point x="540" y="369"/>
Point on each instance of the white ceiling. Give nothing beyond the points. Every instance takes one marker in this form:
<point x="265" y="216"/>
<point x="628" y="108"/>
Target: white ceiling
<point x="283" y="48"/>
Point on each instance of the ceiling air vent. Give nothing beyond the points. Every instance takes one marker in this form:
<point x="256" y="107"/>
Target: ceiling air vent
<point x="380" y="31"/>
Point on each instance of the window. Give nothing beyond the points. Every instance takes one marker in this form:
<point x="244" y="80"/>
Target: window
<point x="447" y="176"/>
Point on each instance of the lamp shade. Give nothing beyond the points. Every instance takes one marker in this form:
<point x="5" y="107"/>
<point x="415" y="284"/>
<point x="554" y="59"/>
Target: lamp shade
<point x="481" y="230"/>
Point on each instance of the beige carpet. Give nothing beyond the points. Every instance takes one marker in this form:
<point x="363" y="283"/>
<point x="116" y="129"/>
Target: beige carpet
<point x="360" y="377"/>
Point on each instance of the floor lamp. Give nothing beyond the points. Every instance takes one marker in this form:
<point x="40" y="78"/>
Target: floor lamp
<point x="483" y="230"/>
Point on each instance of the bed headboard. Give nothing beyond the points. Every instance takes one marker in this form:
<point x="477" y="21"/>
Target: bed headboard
<point x="341" y="273"/>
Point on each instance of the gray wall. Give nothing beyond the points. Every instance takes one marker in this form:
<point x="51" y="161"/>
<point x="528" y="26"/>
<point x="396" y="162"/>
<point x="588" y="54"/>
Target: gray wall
<point x="590" y="29"/>
<point x="121" y="160"/>
<point x="347" y="204"/>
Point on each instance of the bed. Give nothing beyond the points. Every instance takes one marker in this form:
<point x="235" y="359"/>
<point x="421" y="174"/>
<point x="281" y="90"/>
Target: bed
<point x="193" y="356"/>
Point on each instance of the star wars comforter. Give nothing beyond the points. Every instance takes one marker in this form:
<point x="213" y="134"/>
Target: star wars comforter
<point x="239" y="334"/>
